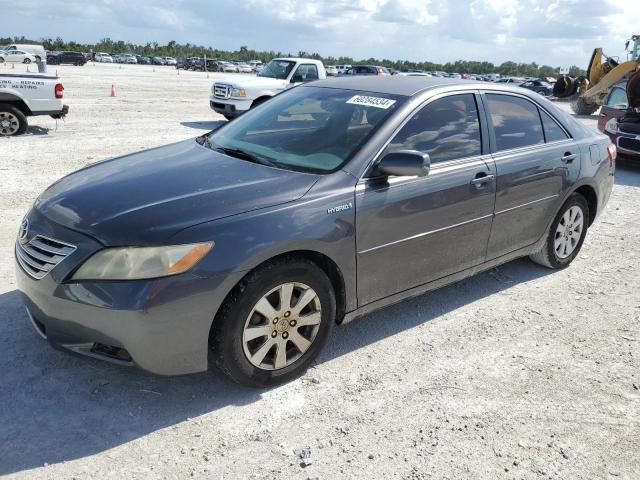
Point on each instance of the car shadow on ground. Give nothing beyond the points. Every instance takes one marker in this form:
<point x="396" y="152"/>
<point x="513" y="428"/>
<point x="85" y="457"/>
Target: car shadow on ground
<point x="205" y="124"/>
<point x="37" y="130"/>
<point x="57" y="407"/>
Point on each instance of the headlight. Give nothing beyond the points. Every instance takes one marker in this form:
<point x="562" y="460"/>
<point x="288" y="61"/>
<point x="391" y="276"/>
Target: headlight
<point x="611" y="126"/>
<point x="238" y="92"/>
<point x="134" y="263"/>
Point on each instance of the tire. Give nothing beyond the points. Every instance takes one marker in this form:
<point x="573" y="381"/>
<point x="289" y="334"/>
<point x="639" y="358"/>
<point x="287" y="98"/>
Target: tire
<point x="26" y="60"/>
<point x="1" y="59"/>
<point x="549" y="256"/>
<point x="581" y="107"/>
<point x="254" y="362"/>
<point x="17" y="121"/>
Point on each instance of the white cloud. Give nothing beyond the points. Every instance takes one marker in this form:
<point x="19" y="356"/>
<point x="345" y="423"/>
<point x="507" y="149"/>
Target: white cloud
<point x="555" y="32"/>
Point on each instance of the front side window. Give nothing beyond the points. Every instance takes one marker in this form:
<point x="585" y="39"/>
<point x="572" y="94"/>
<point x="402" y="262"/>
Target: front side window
<point x="306" y="128"/>
<point x="516" y="121"/>
<point x="446" y="129"/>
<point x="618" y="98"/>
<point x="307" y="72"/>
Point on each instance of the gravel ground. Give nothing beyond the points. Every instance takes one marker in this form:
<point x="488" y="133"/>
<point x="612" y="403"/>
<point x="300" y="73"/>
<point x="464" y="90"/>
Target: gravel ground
<point x="517" y="373"/>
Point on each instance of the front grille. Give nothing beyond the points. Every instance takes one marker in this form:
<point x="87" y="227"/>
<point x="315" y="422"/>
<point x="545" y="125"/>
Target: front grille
<point x="221" y="91"/>
<point x="41" y="254"/>
<point x="631" y="144"/>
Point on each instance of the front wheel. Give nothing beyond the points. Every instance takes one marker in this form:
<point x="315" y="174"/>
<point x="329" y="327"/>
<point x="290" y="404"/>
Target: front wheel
<point x="274" y="323"/>
<point x="26" y="60"/>
<point x="566" y="235"/>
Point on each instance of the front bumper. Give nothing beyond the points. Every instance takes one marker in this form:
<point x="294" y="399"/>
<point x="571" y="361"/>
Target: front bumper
<point x="160" y="325"/>
<point x="229" y="107"/>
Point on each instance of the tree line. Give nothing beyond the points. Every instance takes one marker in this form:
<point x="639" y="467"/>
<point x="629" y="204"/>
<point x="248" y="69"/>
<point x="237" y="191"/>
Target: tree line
<point x="175" y="49"/>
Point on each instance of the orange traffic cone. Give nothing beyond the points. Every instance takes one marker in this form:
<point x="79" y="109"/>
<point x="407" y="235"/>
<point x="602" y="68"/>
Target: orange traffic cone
<point x="13" y="66"/>
<point x="56" y="72"/>
<point x="28" y="71"/>
<point x="178" y="72"/>
<point x="113" y="90"/>
<point x="154" y="69"/>
<point x="207" y="74"/>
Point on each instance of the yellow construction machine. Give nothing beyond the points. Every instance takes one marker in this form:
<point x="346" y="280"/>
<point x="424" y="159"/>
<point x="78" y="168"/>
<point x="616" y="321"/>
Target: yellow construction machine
<point x="588" y="93"/>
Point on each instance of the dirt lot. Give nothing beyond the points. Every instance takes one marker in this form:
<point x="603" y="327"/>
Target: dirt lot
<point x="518" y="373"/>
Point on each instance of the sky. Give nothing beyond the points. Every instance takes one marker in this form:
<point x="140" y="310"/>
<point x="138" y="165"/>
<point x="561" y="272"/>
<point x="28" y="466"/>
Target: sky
<point x="548" y="32"/>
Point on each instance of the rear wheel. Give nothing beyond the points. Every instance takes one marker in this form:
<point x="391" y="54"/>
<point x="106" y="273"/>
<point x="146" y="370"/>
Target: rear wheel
<point x="12" y="121"/>
<point x="566" y="235"/>
<point x="26" y="60"/>
<point x="274" y="323"/>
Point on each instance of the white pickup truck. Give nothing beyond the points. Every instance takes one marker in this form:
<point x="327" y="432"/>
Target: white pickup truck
<point x="232" y="96"/>
<point x="22" y="96"/>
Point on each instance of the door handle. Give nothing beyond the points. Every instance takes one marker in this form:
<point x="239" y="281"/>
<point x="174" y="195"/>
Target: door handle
<point x="482" y="178"/>
<point x="569" y="157"/>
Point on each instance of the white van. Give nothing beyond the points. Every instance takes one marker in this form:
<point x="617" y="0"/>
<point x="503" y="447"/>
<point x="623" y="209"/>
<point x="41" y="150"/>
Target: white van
<point x="36" y="50"/>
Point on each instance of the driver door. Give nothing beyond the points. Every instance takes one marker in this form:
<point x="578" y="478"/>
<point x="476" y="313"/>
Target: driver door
<point x="413" y="230"/>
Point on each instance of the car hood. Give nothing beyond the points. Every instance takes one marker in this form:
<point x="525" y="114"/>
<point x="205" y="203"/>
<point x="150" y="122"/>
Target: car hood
<point x="146" y="197"/>
<point x="254" y="82"/>
<point x="633" y="90"/>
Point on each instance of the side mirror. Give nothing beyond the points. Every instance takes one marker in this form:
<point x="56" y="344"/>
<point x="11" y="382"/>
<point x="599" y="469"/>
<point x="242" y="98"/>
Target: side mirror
<point x="404" y="163"/>
<point x="297" y="78"/>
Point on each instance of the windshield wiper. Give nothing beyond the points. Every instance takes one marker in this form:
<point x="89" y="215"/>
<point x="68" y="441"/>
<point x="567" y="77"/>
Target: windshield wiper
<point x="239" y="153"/>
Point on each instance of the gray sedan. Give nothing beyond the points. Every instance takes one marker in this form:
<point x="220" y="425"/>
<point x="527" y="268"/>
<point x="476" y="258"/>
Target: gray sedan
<point x="245" y="247"/>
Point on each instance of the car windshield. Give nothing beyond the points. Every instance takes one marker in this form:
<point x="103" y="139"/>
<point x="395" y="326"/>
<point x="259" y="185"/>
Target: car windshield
<point x="279" y="69"/>
<point x="309" y="129"/>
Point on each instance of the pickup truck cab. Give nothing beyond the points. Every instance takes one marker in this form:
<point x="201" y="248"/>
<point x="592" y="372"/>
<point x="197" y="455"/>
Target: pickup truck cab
<point x="22" y="96"/>
<point x="232" y="97"/>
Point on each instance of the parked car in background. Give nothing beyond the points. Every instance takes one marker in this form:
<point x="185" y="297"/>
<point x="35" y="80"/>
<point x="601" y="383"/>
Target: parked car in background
<point x="256" y="65"/>
<point x="143" y="60"/>
<point x="37" y="51"/>
<point x="229" y="67"/>
<point x="413" y="74"/>
<point x="70" y="58"/>
<point x="331" y="70"/>
<point x="103" y="57"/>
<point x="16" y="56"/>
<point x="169" y="61"/>
<point x="364" y="70"/>
<point x="342" y="68"/>
<point x="130" y="58"/>
<point x="538" y="86"/>
<point x="158" y="61"/>
<point x="620" y="118"/>
<point x="244" y="68"/>
<point x="510" y="80"/>
<point x="232" y="98"/>
<point x="43" y="97"/>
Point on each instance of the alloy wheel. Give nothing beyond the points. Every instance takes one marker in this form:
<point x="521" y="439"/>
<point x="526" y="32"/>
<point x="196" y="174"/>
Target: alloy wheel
<point x="569" y="232"/>
<point x="9" y="123"/>
<point x="281" y="326"/>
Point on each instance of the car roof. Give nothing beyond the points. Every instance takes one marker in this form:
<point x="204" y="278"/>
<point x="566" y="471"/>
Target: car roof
<point x="411" y="85"/>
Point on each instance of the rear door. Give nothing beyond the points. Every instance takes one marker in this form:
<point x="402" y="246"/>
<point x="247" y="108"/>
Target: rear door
<point x="412" y="230"/>
<point x="536" y="162"/>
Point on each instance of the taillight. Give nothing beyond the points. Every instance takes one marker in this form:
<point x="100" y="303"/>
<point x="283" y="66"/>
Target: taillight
<point x="613" y="152"/>
<point x="59" y="90"/>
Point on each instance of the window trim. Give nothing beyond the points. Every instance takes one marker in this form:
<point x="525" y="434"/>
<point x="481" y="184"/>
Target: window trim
<point x="489" y="121"/>
<point x="484" y="133"/>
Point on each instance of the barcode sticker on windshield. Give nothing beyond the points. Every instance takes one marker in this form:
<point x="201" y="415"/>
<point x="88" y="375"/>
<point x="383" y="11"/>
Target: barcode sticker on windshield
<point x="368" y="101"/>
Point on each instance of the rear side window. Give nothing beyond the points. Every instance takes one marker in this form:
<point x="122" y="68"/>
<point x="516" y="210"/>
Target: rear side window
<point x="308" y="72"/>
<point x="446" y="129"/>
<point x="552" y="131"/>
<point x="516" y="121"/>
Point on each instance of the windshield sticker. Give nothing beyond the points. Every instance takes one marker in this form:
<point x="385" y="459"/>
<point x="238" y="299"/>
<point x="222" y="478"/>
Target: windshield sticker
<point x="368" y="101"/>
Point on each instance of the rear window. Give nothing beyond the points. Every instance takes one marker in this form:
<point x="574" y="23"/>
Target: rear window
<point x="552" y="131"/>
<point x="516" y="121"/>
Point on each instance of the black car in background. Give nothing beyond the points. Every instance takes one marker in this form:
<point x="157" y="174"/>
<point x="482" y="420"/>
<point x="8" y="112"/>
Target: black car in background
<point x="539" y="86"/>
<point x="179" y="62"/>
<point x="72" y="58"/>
<point x="143" y="60"/>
